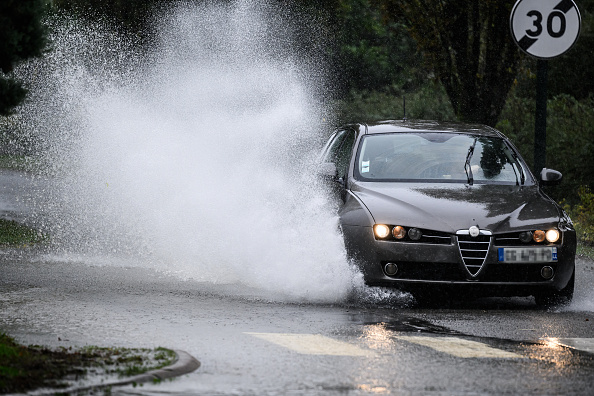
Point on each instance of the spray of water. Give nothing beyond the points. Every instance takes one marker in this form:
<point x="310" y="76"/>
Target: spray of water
<point x="196" y="159"/>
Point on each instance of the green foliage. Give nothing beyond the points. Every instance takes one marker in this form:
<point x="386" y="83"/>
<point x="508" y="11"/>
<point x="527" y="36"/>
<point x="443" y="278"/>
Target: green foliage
<point x="372" y="52"/>
<point x="429" y="102"/>
<point x="15" y="234"/>
<point x="133" y="17"/>
<point x="26" y="368"/>
<point x="12" y="94"/>
<point x="22" y="35"/>
<point x="573" y="72"/>
<point x="570" y="138"/>
<point x="582" y="215"/>
<point x="14" y="162"/>
<point x="467" y="44"/>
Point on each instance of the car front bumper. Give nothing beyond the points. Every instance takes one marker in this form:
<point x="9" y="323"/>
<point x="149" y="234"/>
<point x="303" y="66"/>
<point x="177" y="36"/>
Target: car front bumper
<point x="421" y="266"/>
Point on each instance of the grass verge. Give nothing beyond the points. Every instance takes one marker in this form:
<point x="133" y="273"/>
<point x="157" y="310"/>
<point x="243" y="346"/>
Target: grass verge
<point x="585" y="251"/>
<point x="16" y="162"/>
<point x="15" y="234"/>
<point x="25" y="368"/>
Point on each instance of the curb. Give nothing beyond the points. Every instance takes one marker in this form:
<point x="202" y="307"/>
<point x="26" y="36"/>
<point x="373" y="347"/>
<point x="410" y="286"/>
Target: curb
<point x="184" y="364"/>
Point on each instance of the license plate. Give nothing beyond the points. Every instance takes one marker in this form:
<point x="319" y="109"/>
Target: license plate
<point x="528" y="255"/>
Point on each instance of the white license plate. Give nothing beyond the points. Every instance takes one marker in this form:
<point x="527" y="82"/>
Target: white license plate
<point x="528" y="255"/>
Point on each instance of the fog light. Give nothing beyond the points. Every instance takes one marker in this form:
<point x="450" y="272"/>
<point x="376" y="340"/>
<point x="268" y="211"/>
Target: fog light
<point x="538" y="236"/>
<point x="526" y="236"/>
<point x="552" y="235"/>
<point x="547" y="272"/>
<point x="381" y="231"/>
<point x="391" y="269"/>
<point x="399" y="232"/>
<point x="415" y="234"/>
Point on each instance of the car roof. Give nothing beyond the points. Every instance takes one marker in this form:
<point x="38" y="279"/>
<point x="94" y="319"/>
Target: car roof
<point x="403" y="126"/>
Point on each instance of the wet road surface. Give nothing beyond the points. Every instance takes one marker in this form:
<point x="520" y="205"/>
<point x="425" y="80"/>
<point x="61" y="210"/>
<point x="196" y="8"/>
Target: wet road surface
<point x="250" y="346"/>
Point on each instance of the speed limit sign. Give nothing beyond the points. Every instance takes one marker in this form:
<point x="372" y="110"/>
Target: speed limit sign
<point x="545" y="28"/>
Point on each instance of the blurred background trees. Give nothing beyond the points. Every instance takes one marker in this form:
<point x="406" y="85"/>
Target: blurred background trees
<point x="22" y="36"/>
<point x="467" y="44"/>
<point x="450" y="60"/>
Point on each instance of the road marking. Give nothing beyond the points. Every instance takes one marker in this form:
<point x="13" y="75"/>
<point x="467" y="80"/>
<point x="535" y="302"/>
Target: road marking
<point x="460" y="347"/>
<point x="313" y="344"/>
<point x="582" y="344"/>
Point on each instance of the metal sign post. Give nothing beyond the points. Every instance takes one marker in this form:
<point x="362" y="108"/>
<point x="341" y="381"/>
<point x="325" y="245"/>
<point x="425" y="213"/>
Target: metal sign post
<point x="544" y="29"/>
<point x="540" y="117"/>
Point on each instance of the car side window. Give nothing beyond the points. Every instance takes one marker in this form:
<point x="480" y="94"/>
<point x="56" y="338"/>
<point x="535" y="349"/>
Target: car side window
<point x="343" y="155"/>
<point x="334" y="146"/>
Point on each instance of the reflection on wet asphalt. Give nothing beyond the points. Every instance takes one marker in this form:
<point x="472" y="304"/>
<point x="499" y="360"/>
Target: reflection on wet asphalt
<point x="249" y="344"/>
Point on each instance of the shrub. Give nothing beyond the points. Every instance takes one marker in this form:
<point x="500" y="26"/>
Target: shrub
<point x="570" y="139"/>
<point x="582" y="215"/>
<point x="430" y="102"/>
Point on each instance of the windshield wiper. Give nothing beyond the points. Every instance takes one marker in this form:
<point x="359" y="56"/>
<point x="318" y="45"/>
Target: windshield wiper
<point x="467" y="166"/>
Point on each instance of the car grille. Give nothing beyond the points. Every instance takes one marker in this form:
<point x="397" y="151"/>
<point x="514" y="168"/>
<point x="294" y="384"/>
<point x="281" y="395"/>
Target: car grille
<point x="474" y="251"/>
<point x="436" y="237"/>
<point x="509" y="239"/>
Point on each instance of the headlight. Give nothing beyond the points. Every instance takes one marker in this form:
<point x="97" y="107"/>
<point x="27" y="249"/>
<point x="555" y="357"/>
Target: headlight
<point x="552" y="235"/>
<point x="526" y="236"/>
<point x="399" y="232"/>
<point x="538" y="236"/>
<point x="415" y="234"/>
<point x="381" y="231"/>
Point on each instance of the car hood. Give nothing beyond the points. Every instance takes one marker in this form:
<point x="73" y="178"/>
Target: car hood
<point x="452" y="207"/>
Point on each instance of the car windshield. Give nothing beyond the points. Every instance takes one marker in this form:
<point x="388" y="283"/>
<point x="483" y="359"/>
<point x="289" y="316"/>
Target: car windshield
<point x="437" y="157"/>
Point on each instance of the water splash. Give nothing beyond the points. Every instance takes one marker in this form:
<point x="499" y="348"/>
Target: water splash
<point x="195" y="159"/>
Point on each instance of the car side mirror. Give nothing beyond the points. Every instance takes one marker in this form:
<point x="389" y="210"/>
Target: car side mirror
<point x="550" y="177"/>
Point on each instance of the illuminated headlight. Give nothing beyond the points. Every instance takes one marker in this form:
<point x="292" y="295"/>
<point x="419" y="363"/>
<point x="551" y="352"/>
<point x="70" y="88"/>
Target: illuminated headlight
<point x="538" y="236"/>
<point x="399" y="232"/>
<point x="552" y="235"/>
<point x="381" y="231"/>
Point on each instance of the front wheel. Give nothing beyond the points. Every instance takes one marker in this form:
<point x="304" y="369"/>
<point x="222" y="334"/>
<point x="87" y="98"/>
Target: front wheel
<point x="553" y="299"/>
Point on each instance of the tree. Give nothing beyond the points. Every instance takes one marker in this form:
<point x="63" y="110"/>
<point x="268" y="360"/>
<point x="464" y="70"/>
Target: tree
<point x="468" y="45"/>
<point x="371" y="52"/>
<point x="130" y="17"/>
<point x="22" y="36"/>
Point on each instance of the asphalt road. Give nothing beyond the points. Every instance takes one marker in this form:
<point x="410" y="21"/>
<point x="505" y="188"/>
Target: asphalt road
<point x="373" y="344"/>
<point x="248" y="343"/>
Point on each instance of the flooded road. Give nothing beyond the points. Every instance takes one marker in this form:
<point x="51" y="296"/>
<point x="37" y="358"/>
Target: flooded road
<point x="249" y="345"/>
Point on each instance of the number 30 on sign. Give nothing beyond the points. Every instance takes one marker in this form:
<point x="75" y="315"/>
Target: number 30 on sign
<point x="545" y="28"/>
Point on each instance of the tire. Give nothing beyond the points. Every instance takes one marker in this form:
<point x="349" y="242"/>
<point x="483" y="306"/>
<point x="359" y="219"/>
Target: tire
<point x="557" y="298"/>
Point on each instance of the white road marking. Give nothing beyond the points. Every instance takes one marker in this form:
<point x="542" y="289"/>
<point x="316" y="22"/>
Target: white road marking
<point x="582" y="344"/>
<point x="313" y="344"/>
<point x="460" y="347"/>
